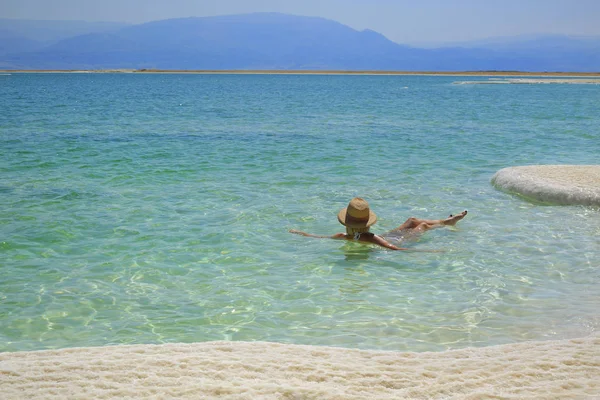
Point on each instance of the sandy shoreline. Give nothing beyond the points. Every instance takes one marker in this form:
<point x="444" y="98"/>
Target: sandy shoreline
<point x="259" y="370"/>
<point x="318" y="72"/>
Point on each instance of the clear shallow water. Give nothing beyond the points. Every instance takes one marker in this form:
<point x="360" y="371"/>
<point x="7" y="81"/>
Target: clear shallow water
<point x="155" y="208"/>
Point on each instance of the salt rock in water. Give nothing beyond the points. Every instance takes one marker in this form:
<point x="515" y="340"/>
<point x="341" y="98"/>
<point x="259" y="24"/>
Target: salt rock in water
<point x="555" y="184"/>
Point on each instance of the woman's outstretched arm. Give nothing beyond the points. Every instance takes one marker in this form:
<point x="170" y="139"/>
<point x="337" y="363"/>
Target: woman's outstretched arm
<point x="365" y="238"/>
<point x="336" y="236"/>
<point x="369" y="238"/>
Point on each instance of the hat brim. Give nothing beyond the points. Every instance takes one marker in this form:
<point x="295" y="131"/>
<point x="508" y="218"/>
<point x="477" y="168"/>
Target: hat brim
<point x="350" y="223"/>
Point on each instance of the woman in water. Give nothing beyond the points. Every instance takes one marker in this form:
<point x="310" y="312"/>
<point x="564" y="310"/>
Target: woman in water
<point x="358" y="218"/>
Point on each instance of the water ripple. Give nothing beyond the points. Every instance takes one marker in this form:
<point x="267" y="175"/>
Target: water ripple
<point x="146" y="209"/>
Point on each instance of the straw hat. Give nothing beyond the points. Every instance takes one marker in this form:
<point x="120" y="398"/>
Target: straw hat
<point x="357" y="214"/>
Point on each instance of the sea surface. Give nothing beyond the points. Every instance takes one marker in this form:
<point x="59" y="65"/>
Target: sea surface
<point x="155" y="208"/>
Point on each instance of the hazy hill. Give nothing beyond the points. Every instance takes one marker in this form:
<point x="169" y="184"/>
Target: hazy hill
<point x="12" y="43"/>
<point x="543" y="52"/>
<point x="18" y="36"/>
<point x="534" y="42"/>
<point x="53" y="31"/>
<point x="275" y="41"/>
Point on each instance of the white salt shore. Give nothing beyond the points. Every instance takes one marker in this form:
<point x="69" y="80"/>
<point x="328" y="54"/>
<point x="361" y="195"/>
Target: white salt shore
<point x="242" y="370"/>
<point x="531" y="81"/>
<point x="556" y="184"/>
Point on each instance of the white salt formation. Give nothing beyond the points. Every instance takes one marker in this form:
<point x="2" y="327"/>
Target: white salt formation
<point x="531" y="81"/>
<point x="241" y="370"/>
<point x="556" y="184"/>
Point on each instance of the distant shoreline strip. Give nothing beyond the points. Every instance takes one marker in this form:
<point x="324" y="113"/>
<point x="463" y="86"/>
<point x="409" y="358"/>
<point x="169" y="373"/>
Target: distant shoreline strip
<point x="316" y="72"/>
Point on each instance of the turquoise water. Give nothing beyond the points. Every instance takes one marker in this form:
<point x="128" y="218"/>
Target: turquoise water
<point x="156" y="208"/>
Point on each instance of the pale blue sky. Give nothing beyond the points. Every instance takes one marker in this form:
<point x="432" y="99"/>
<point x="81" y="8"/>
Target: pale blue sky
<point x="403" y="21"/>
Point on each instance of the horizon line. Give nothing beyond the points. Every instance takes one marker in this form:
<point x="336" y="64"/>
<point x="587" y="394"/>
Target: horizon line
<point x="306" y="72"/>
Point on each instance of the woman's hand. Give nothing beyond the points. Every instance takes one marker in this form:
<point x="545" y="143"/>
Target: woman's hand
<point x="297" y="232"/>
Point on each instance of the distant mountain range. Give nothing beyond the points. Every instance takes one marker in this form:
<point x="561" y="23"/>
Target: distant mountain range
<point x="271" y="41"/>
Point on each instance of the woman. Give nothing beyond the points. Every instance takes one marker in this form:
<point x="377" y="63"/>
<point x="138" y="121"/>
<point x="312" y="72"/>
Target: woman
<point x="358" y="218"/>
